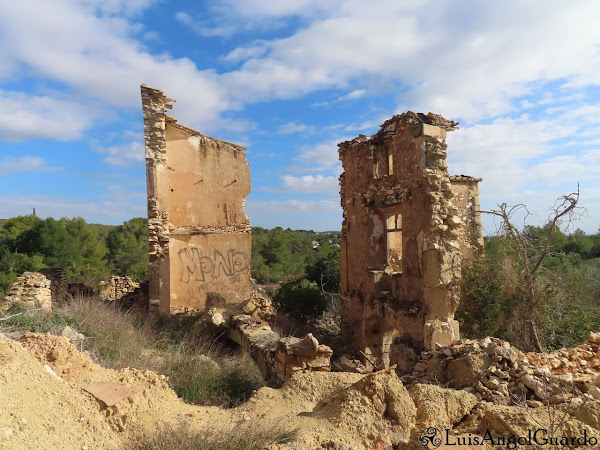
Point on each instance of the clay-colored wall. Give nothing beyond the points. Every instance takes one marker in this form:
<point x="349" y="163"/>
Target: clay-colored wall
<point x="209" y="263"/>
<point x="199" y="236"/>
<point x="208" y="180"/>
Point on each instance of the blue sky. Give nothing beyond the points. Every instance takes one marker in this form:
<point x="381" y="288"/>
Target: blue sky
<point x="289" y="80"/>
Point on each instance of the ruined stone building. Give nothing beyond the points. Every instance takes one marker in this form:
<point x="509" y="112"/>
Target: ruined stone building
<point x="408" y="226"/>
<point x="199" y="235"/>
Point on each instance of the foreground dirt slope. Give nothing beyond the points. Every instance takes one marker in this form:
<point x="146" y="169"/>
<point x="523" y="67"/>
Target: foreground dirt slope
<point x="44" y="406"/>
<point x="40" y="411"/>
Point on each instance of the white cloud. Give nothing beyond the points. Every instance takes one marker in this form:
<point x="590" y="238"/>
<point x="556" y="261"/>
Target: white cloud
<point x="294" y="127"/>
<point x="99" y="58"/>
<point x="123" y="155"/>
<point x="25" y="164"/>
<point x="259" y="207"/>
<point x="310" y="183"/>
<point x="23" y="116"/>
<point x="353" y="95"/>
<point x="322" y="154"/>
<point x="257" y="49"/>
<point x="455" y="58"/>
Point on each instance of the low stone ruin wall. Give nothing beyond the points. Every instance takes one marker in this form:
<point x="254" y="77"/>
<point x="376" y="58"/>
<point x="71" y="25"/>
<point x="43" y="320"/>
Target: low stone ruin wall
<point x="116" y="288"/>
<point x="31" y="288"/>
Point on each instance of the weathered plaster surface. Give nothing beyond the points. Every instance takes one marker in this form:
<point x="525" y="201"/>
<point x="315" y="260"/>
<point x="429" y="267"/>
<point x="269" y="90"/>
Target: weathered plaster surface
<point x="405" y="221"/>
<point x="199" y="235"/>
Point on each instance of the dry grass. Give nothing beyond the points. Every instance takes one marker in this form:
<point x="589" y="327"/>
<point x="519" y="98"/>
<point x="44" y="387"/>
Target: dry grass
<point x="250" y="436"/>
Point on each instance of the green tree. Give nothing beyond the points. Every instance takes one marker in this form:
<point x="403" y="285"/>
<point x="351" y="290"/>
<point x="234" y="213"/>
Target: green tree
<point x="50" y="239"/>
<point x="128" y="249"/>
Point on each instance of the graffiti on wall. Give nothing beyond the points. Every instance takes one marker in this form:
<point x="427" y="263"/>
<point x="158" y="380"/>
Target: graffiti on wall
<point x="202" y="268"/>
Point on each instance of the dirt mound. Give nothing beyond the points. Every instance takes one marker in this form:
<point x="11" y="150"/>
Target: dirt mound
<point x="40" y="411"/>
<point x="57" y="352"/>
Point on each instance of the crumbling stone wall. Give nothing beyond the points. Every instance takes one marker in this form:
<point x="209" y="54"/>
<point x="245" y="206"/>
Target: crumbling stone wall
<point x="466" y="199"/>
<point x="199" y="235"/>
<point x="116" y="288"/>
<point x="401" y="239"/>
<point x="31" y="288"/>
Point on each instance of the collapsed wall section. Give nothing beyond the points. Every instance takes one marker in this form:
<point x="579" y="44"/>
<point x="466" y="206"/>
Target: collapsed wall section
<point x="200" y="237"/>
<point x="401" y="239"/>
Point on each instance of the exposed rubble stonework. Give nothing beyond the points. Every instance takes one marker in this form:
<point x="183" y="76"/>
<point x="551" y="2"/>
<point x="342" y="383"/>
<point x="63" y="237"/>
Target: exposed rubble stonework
<point x="408" y="226"/>
<point x="31" y="288"/>
<point x="116" y="288"/>
<point x="498" y="373"/>
<point x="199" y="236"/>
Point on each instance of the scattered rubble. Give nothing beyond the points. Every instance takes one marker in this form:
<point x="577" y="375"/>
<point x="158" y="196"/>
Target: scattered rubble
<point x="277" y="358"/>
<point x="498" y="373"/>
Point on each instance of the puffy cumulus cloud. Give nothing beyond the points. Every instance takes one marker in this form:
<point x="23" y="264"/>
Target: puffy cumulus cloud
<point x="310" y="183"/>
<point x="462" y="59"/>
<point x="98" y="57"/>
<point x="24" y="116"/>
<point x="322" y="155"/>
<point x="532" y="161"/>
<point x="25" y="164"/>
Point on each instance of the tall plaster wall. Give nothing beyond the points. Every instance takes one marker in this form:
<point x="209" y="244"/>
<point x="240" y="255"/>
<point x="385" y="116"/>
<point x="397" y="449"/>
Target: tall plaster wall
<point x="200" y="238"/>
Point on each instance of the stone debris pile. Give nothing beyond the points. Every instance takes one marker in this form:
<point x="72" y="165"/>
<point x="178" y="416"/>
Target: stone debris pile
<point x="496" y="372"/>
<point x="31" y="288"/>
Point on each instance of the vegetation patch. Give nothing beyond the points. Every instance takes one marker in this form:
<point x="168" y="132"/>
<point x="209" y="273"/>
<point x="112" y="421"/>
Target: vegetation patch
<point x="250" y="436"/>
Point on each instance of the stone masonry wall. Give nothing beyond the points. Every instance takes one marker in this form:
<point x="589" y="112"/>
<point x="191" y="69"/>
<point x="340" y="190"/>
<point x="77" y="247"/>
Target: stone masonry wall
<point x="401" y="239"/>
<point x="31" y="288"/>
<point x="199" y="235"/>
<point x="466" y="200"/>
<point x="116" y="288"/>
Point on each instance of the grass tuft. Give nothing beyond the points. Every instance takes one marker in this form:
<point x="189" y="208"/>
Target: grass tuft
<point x="251" y="436"/>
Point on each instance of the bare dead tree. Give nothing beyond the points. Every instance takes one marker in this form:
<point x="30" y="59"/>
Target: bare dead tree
<point x="563" y="212"/>
<point x="556" y="413"/>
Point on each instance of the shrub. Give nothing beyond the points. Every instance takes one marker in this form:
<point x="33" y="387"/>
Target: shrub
<point x="251" y="436"/>
<point x="300" y="298"/>
<point x="201" y="380"/>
